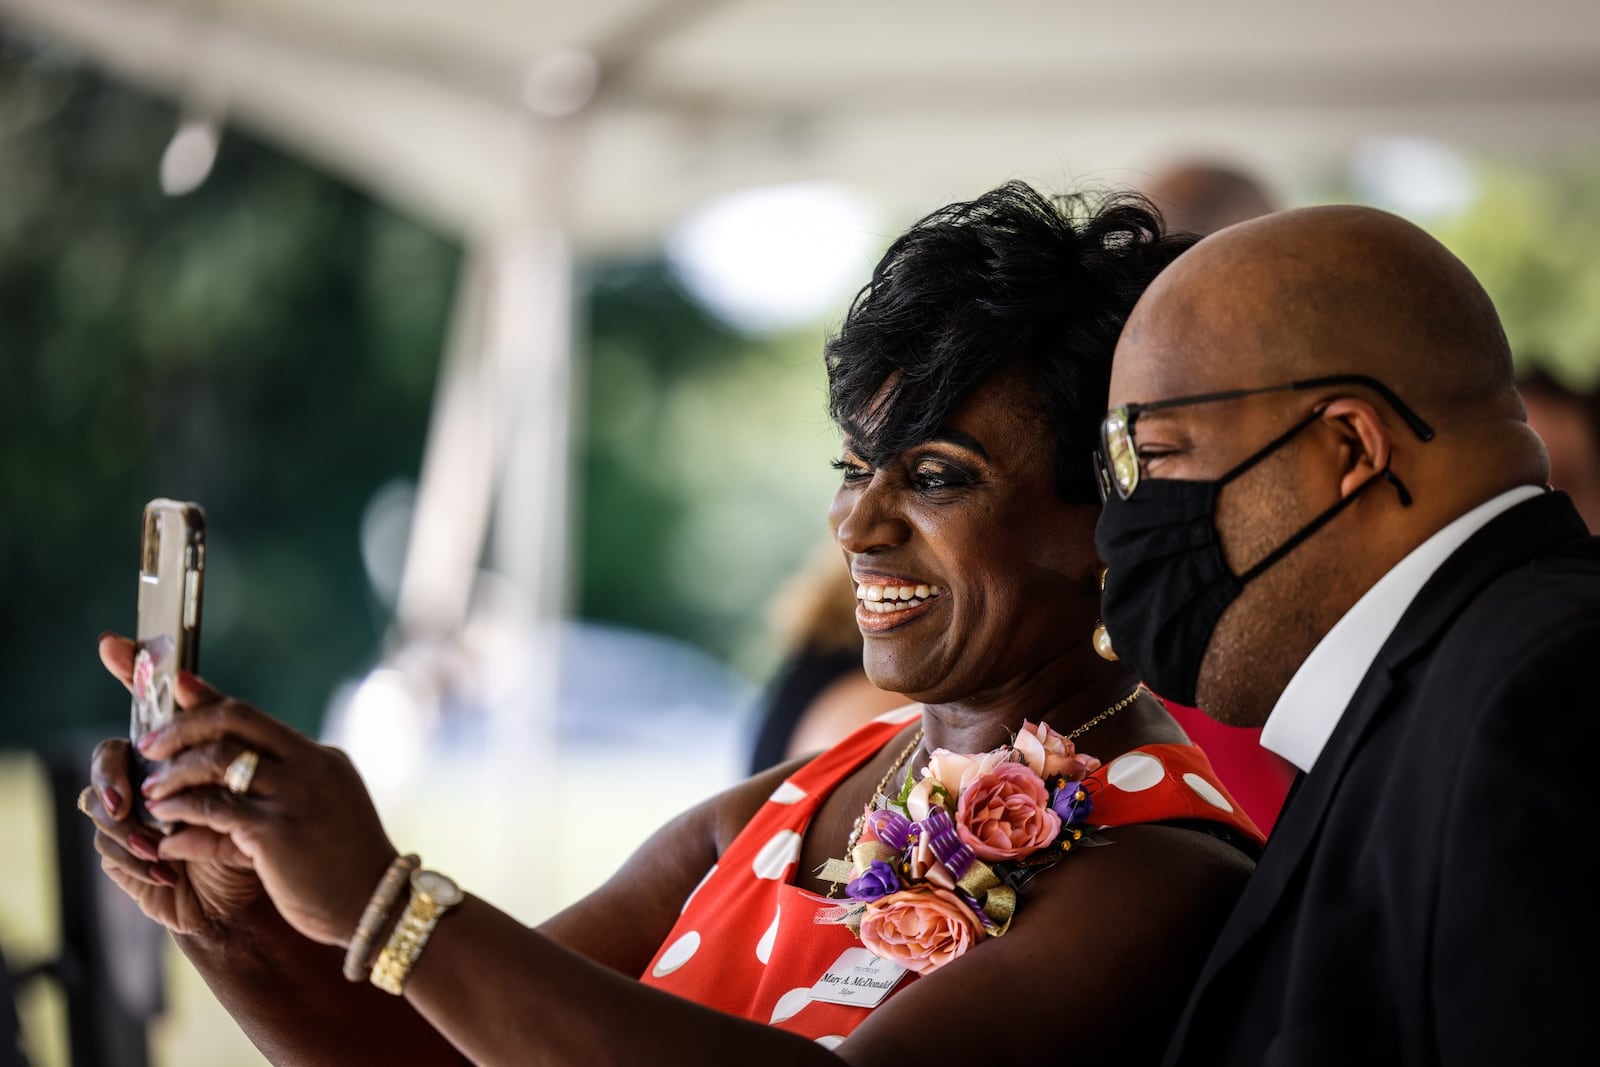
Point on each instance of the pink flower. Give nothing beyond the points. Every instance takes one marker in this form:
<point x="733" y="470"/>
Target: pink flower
<point x="1006" y="814"/>
<point x="952" y="772"/>
<point x="1048" y="753"/>
<point x="920" y="929"/>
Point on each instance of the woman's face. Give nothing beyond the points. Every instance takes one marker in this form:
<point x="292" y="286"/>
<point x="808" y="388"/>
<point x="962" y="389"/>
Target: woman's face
<point x="972" y="574"/>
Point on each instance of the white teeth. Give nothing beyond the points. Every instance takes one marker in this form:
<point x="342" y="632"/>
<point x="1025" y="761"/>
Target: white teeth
<point x="890" y="607"/>
<point x="883" y="599"/>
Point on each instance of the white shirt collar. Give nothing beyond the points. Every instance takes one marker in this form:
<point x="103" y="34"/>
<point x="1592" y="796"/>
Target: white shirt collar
<point x="1311" y="705"/>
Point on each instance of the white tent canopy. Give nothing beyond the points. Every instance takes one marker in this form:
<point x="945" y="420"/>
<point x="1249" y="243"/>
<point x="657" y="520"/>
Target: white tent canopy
<point x="438" y="107"/>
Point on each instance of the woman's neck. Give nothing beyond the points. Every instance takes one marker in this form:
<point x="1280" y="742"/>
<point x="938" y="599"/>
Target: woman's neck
<point x="1065" y="692"/>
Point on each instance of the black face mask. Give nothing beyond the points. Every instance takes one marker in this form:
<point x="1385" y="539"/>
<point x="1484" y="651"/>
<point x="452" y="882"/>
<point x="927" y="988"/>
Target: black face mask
<point x="1168" y="581"/>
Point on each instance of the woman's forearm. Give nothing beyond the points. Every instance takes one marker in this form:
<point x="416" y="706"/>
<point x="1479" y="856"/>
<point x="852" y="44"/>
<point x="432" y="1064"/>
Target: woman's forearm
<point x="505" y="994"/>
<point x="291" y="999"/>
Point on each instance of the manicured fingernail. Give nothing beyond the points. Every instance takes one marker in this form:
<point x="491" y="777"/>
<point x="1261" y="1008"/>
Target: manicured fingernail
<point x="111" y="799"/>
<point x="143" y="845"/>
<point x="160" y="872"/>
<point x="144" y="743"/>
<point x="105" y="634"/>
<point x="152" y="783"/>
<point x="187" y="679"/>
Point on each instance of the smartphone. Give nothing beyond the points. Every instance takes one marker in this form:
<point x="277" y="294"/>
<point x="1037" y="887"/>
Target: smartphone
<point x="172" y="566"/>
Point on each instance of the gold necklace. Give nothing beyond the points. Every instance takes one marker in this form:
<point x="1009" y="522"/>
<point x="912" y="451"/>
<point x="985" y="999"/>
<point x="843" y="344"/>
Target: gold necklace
<point x="877" y="795"/>
<point x="1104" y="715"/>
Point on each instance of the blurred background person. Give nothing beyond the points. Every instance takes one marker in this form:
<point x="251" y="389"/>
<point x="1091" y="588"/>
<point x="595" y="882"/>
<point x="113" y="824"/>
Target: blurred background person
<point x="1204" y="195"/>
<point x="1569" y="423"/>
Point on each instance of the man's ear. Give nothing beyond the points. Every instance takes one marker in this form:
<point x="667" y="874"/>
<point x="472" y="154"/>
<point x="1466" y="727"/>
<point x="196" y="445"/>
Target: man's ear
<point x="1364" y="441"/>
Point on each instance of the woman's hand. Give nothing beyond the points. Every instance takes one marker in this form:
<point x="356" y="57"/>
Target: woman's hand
<point x="305" y="823"/>
<point x="214" y="885"/>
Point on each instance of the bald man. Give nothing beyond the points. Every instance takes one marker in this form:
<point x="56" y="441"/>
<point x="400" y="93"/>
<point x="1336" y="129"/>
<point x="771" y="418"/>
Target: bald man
<point x="1199" y="196"/>
<point x="1326" y="515"/>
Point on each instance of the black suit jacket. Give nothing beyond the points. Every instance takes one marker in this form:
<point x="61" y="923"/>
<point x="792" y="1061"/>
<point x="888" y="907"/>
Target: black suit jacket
<point x="1420" y="900"/>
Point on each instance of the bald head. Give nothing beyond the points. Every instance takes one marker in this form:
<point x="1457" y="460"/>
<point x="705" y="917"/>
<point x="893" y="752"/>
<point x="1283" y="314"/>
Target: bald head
<point x="1325" y="290"/>
<point x="1202" y="197"/>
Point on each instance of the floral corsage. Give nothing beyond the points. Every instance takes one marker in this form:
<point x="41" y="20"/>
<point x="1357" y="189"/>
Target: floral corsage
<point x="936" y="869"/>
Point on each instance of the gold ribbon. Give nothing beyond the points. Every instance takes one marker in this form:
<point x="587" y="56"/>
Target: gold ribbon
<point x="867" y="851"/>
<point x="999" y="902"/>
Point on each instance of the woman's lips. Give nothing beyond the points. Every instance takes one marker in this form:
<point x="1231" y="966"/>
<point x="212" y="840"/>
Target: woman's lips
<point x="887" y="603"/>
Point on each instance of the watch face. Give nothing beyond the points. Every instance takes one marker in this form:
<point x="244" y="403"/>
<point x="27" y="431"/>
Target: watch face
<point x="437" y="888"/>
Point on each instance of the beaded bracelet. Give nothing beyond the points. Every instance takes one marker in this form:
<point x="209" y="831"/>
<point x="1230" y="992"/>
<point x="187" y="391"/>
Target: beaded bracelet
<point x="358" y="958"/>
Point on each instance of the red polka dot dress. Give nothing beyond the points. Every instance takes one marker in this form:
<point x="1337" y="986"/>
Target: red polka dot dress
<point x="748" y="943"/>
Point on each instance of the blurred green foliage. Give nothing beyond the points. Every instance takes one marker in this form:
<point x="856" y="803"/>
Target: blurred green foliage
<point x="266" y="346"/>
<point x="702" y="465"/>
<point x="1531" y="237"/>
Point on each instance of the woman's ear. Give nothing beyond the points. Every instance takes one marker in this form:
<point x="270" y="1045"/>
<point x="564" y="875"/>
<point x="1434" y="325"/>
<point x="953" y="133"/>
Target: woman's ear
<point x="1363" y="438"/>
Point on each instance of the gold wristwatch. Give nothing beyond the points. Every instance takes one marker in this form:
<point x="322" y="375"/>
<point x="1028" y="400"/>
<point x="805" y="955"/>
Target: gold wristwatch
<point x="432" y="894"/>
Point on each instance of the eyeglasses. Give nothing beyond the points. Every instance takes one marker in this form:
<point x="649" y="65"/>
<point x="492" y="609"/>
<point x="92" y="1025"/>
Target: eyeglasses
<point x="1117" y="461"/>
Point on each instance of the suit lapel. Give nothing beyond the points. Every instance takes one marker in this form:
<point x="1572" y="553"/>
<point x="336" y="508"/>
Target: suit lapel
<point x="1508" y="540"/>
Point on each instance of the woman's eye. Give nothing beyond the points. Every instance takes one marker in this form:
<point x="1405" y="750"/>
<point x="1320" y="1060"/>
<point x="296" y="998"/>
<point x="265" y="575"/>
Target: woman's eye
<point x="850" y="470"/>
<point x="930" y="477"/>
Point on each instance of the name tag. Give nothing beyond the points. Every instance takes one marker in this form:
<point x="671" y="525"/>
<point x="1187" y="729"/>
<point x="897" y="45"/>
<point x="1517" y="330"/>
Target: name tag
<point x="858" y="978"/>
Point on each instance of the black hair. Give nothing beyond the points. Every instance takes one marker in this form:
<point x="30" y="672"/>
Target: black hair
<point x="1012" y="279"/>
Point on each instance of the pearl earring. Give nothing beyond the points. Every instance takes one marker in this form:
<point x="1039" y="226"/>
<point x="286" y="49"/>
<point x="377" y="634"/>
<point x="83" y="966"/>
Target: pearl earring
<point x="1102" y="637"/>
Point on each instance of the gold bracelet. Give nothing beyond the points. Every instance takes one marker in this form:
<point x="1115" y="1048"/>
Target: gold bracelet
<point x="358" y="957"/>
<point x="432" y="894"/>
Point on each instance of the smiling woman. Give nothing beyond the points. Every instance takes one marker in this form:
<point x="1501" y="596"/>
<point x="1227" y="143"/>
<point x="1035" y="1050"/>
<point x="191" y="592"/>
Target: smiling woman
<point x="850" y="906"/>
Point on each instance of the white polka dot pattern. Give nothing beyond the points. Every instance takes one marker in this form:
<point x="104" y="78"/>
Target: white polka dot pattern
<point x="776" y="855"/>
<point x="787" y="793"/>
<point x="677" y="954"/>
<point x="831" y="1041"/>
<point x="1207" y="791"/>
<point x="1135" y="772"/>
<point x="791" y="1003"/>
<point x="764" y="946"/>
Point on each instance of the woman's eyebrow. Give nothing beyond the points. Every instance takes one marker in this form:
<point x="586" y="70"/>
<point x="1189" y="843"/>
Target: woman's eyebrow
<point x="960" y="438"/>
<point x="852" y="434"/>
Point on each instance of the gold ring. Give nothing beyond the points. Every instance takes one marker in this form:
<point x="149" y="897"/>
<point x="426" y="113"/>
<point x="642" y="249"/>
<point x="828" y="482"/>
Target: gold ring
<point x="240" y="772"/>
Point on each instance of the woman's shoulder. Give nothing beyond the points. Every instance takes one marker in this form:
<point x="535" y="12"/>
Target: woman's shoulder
<point x="730" y="811"/>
